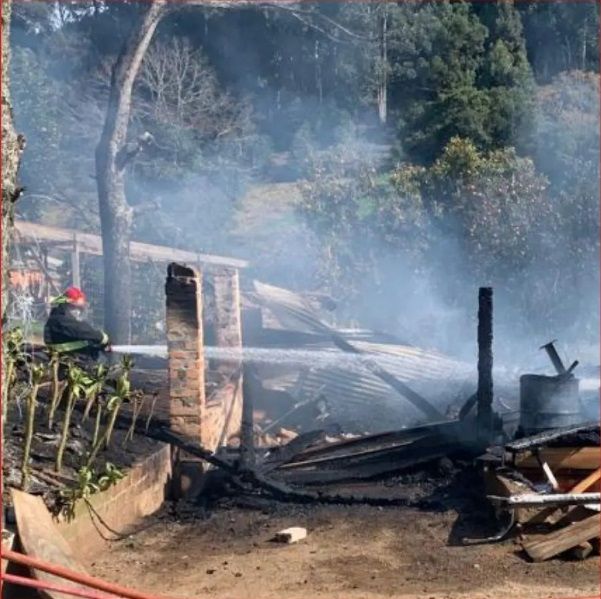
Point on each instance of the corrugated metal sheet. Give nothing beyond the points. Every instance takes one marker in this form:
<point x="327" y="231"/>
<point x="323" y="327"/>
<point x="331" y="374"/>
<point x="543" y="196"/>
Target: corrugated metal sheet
<point x="357" y="399"/>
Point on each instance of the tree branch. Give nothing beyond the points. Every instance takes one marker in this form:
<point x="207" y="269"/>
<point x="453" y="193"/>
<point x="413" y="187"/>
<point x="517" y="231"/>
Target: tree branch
<point x="290" y="6"/>
<point x="129" y="151"/>
<point x="329" y="20"/>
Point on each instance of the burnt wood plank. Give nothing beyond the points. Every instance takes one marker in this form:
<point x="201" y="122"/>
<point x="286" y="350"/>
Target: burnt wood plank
<point x="557" y="542"/>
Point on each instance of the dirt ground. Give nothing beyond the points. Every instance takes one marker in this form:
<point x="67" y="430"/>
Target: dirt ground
<point x="350" y="551"/>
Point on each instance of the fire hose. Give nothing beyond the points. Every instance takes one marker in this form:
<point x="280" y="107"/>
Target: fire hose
<point x="50" y="586"/>
<point x="77" y="577"/>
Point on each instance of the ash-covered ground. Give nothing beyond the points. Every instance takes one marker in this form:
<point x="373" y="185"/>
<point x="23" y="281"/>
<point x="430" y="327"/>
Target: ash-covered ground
<point x="224" y="548"/>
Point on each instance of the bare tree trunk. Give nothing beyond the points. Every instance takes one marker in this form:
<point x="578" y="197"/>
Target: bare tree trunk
<point x="116" y="215"/>
<point x="584" y="44"/>
<point x="12" y="147"/>
<point x="383" y="83"/>
<point x="318" y="72"/>
<point x="111" y="159"/>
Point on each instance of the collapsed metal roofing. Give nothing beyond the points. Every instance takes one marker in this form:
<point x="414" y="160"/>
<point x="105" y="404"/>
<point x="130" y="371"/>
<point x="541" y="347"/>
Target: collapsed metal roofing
<point x="355" y="398"/>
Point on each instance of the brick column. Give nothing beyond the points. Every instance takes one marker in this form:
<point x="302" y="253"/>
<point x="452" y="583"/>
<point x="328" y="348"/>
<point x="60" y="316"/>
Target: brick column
<point x="224" y="409"/>
<point x="186" y="369"/>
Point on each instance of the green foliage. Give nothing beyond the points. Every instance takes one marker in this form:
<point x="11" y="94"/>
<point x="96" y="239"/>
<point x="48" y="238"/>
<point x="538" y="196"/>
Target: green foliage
<point x="561" y="36"/>
<point x="495" y="204"/>
<point x="359" y="217"/>
<point x="96" y="386"/>
<point x="471" y="218"/>
<point x="13" y="343"/>
<point x="460" y="82"/>
<point x="88" y="484"/>
<point x="114" y="400"/>
<point x="455" y="74"/>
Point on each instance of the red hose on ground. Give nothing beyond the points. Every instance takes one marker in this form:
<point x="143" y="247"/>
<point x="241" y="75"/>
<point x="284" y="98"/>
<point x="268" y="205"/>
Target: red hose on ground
<point x="50" y="586"/>
<point x="85" y="579"/>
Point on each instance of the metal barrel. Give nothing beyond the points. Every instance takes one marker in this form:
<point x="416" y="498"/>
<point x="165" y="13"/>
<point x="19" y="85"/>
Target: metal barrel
<point x="548" y="402"/>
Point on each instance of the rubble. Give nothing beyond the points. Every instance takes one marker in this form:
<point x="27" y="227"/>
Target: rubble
<point x="290" y="535"/>
<point x="558" y="521"/>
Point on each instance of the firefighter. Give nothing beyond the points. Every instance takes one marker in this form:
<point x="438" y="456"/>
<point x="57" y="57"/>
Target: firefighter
<point x="67" y="332"/>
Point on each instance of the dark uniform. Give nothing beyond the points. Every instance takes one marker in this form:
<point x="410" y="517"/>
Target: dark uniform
<point x="66" y="332"/>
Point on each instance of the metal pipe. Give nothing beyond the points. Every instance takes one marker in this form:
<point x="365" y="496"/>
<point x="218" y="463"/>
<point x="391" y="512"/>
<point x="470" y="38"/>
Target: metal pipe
<point x="531" y="499"/>
<point x="50" y="586"/>
<point x="554" y="356"/>
<point x="85" y="579"/>
<point x="572" y="366"/>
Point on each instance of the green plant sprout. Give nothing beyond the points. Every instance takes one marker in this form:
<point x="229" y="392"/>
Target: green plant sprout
<point x="37" y="375"/>
<point x="77" y="383"/>
<point x="92" y="392"/>
<point x="58" y="386"/>
<point x="14" y="353"/>
<point x="87" y="484"/>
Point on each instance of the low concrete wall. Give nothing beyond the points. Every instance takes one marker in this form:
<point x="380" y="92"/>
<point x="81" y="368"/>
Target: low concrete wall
<point x="140" y="493"/>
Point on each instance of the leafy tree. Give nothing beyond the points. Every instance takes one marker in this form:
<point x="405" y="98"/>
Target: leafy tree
<point x="561" y="36"/>
<point x="506" y="73"/>
<point x="455" y="74"/>
<point x="433" y="234"/>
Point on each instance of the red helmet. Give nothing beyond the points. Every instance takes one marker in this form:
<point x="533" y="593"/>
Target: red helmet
<point x="75" y="295"/>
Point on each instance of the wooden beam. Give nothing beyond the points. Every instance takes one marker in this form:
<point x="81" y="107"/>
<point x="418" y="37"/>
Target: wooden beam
<point x="569" y="458"/>
<point x="587" y="482"/>
<point x="139" y="252"/>
<point x="247" y="442"/>
<point x="557" y="542"/>
<point x="558" y="516"/>
<point x="581" y="551"/>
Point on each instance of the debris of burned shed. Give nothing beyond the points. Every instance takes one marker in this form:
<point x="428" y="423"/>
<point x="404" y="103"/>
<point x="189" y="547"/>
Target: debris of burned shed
<point x="544" y="476"/>
<point x="546" y="481"/>
<point x="319" y="407"/>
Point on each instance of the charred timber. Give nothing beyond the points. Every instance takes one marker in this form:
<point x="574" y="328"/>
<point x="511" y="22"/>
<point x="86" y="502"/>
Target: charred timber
<point x="417" y="400"/>
<point x="485" y="361"/>
<point x="251" y="480"/>
<point x="247" y="445"/>
<point x="554" y="435"/>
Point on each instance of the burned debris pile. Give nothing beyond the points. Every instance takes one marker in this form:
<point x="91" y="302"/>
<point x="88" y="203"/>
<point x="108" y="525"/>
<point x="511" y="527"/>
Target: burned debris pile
<point x="548" y="487"/>
<point x="326" y="410"/>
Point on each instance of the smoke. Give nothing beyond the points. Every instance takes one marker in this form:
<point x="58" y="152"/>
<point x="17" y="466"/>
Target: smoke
<point x="233" y="181"/>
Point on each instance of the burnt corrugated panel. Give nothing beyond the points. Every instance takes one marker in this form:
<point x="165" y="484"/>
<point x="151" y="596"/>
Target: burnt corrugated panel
<point x="354" y="396"/>
<point x="289" y="308"/>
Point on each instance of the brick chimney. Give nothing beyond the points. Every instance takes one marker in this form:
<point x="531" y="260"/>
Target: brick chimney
<point x="183" y="291"/>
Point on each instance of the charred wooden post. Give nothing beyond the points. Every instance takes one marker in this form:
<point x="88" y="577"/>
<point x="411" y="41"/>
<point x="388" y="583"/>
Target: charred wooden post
<point x="247" y="443"/>
<point x="485" y="360"/>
